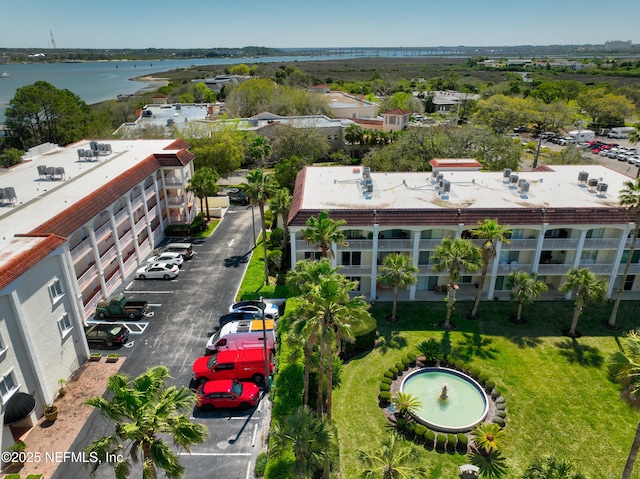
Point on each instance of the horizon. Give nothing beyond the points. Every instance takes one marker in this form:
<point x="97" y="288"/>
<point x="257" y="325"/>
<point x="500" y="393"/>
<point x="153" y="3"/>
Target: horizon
<point x="282" y="23"/>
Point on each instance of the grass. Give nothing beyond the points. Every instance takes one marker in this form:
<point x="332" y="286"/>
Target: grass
<point x="211" y="226"/>
<point x="560" y="399"/>
<point x="253" y="283"/>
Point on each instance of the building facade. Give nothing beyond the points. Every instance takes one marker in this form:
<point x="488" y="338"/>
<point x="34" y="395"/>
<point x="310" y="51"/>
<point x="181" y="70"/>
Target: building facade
<point x="81" y="220"/>
<point x="560" y="219"/>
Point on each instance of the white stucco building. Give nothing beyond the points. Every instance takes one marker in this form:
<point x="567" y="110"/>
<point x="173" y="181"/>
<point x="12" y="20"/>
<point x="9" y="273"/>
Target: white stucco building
<point x="74" y="223"/>
<point x="561" y="218"/>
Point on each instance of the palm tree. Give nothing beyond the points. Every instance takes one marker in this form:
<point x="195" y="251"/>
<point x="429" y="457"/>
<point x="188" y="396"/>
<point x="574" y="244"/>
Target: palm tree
<point x="259" y="149"/>
<point x="488" y="437"/>
<point x="397" y="271"/>
<point x="405" y="404"/>
<point x="322" y="232"/>
<point x="311" y="438"/>
<point x="492" y="232"/>
<point x="394" y="459"/>
<point x="550" y="467"/>
<point x="455" y="255"/>
<point x="624" y="365"/>
<point x="491" y="466"/>
<point x="260" y="186"/>
<point x="146" y="412"/>
<point x="526" y="287"/>
<point x="204" y="183"/>
<point x="629" y="197"/>
<point x="634" y="136"/>
<point x="280" y="204"/>
<point x="353" y="135"/>
<point x="587" y="288"/>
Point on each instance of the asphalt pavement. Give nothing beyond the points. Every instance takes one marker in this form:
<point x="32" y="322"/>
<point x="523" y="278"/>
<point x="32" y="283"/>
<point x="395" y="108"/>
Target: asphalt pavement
<point x="185" y="311"/>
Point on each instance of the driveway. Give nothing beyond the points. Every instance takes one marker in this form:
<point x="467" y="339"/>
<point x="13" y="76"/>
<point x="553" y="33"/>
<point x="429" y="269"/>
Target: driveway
<point x="185" y="312"/>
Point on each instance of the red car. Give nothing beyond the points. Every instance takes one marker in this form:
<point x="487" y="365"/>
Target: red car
<point x="227" y="393"/>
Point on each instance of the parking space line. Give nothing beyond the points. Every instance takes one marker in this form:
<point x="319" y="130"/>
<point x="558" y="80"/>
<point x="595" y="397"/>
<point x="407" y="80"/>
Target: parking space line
<point x="255" y="433"/>
<point x="134" y="328"/>
<point x="248" y="470"/>
<point x="149" y="292"/>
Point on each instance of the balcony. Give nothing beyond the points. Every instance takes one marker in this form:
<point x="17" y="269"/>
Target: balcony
<point x="88" y="276"/>
<point x="172" y="180"/>
<point x="598" y="268"/>
<point x="149" y="193"/>
<point x="355" y="270"/>
<point x="81" y="249"/>
<point x="601" y="243"/>
<point x="137" y="202"/>
<point x="557" y="269"/>
<point x="560" y="244"/>
<point x="121" y="216"/>
<point x="633" y="269"/>
<point x="429" y="244"/>
<point x="103" y="230"/>
<point x="520" y="244"/>
<point x="395" y="244"/>
<point x="108" y="256"/>
<point x="354" y="245"/>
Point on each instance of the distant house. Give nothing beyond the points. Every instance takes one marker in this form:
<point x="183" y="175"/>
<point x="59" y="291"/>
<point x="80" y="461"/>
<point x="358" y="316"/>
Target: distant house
<point x="345" y="105"/>
<point x="159" y="99"/>
<point x="216" y="83"/>
<point x="395" y="120"/>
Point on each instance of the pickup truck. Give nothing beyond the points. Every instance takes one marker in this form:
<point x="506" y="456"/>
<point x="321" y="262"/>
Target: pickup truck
<point x="120" y="307"/>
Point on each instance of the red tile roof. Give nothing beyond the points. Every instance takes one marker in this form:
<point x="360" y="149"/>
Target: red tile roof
<point x="396" y="111"/>
<point x="20" y="264"/>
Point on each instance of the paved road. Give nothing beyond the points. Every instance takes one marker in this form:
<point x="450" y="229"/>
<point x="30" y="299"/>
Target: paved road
<point x="185" y="312"/>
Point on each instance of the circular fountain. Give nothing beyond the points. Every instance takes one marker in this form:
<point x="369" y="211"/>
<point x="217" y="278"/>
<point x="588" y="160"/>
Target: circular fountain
<point x="450" y="400"/>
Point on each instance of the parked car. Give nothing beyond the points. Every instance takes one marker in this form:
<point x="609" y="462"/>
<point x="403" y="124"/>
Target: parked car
<point x="227" y="393"/>
<point x="158" y="271"/>
<point x="120" y="307"/>
<point x="271" y="311"/>
<point x="244" y="334"/>
<point x="233" y="364"/>
<point x="107" y="334"/>
<point x="185" y="249"/>
<point x="167" y="257"/>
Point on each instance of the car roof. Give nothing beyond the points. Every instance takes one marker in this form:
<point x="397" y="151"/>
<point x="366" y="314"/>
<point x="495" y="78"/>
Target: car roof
<point x="106" y="327"/>
<point x="218" y="385"/>
<point x="179" y="245"/>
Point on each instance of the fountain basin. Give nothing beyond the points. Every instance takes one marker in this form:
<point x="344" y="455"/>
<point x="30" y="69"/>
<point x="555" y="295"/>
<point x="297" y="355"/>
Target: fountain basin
<point x="466" y="405"/>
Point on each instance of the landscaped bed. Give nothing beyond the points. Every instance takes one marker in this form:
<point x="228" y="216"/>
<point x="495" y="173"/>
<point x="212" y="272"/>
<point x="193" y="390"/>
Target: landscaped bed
<point x="561" y="401"/>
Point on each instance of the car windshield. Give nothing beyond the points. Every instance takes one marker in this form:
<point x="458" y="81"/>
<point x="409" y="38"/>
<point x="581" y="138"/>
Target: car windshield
<point x="213" y="360"/>
<point x="236" y="388"/>
<point x="115" y="330"/>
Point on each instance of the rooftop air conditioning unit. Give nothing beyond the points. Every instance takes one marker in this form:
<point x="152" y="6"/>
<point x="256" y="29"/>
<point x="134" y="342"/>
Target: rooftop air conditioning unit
<point x="601" y="188"/>
<point x="446" y="186"/>
<point x="507" y="173"/>
<point x="591" y="184"/>
<point x="513" y="180"/>
<point x="583" y="176"/>
<point x="523" y="187"/>
<point x="366" y="172"/>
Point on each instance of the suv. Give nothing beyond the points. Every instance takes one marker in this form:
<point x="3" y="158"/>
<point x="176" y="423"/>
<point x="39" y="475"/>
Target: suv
<point x="107" y="334"/>
<point x="233" y="364"/>
<point x="185" y="249"/>
<point x="227" y="318"/>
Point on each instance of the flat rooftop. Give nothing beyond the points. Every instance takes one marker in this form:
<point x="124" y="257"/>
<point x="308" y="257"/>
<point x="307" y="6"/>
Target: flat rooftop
<point x="336" y="188"/>
<point x="40" y="198"/>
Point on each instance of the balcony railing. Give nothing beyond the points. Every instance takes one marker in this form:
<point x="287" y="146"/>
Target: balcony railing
<point x="357" y="270"/>
<point x="520" y="244"/>
<point x="562" y="244"/>
<point x="88" y="276"/>
<point x="108" y="256"/>
<point x="102" y="231"/>
<point x="553" y="268"/>
<point x="80" y="250"/>
<point x="429" y="244"/>
<point x="597" y="268"/>
<point x="601" y="243"/>
<point x="395" y="244"/>
<point x="121" y="215"/>
<point x="172" y="180"/>
<point x="633" y="269"/>
<point x="149" y="192"/>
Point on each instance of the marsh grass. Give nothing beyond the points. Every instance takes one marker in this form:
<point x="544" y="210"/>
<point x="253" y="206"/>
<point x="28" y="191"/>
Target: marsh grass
<point x="559" y="396"/>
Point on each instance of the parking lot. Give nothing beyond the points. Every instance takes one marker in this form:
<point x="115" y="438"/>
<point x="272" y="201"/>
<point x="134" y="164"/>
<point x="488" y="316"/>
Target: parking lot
<point x="184" y="313"/>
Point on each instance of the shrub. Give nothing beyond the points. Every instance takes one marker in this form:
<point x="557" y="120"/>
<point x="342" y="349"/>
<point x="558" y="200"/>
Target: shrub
<point x="13" y="475"/>
<point x="289" y="380"/>
<point x="261" y="464"/>
<point x="386" y="380"/>
<point x="490" y="384"/>
<point x="431" y="350"/>
<point x="463" y="441"/>
<point x="429" y="437"/>
<point x="198" y="224"/>
<point x="385" y="396"/>
<point x="475" y="372"/>
<point x="33" y="476"/>
<point x="420" y="430"/>
<point x="394" y="371"/>
<point x="385" y="387"/>
<point x="389" y="375"/>
<point x="502" y="414"/>
<point x="452" y="441"/>
<point x="412" y="358"/>
<point x="484" y="377"/>
<point x="406" y="362"/>
<point x="276" y="238"/>
<point x="364" y="337"/>
<point x="441" y="439"/>
<point x="458" y="363"/>
<point x="400" y="366"/>
<point x="499" y="421"/>
<point x="466" y="367"/>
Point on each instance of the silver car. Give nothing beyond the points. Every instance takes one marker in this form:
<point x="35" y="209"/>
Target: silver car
<point x="158" y="271"/>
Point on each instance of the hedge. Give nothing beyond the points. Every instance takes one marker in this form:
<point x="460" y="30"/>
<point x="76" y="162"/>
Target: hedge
<point x="385" y="387"/>
<point x="441" y="439"/>
<point x="389" y="375"/>
<point x="386" y="379"/>
<point x="420" y="430"/>
<point x="385" y="396"/>
<point x="400" y="366"/>
<point x="452" y="441"/>
<point x="429" y="436"/>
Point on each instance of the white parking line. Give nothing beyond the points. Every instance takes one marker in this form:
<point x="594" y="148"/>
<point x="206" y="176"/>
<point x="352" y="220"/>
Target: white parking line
<point x="248" y="470"/>
<point x="255" y="432"/>
<point x="134" y="328"/>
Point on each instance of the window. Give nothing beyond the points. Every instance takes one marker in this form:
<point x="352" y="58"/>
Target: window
<point x="508" y="256"/>
<point x="65" y="324"/>
<point x="3" y="347"/>
<point x="55" y="290"/>
<point x="8" y="386"/>
<point x="423" y="257"/>
<point x="596" y="233"/>
<point x="589" y="257"/>
<point x="357" y="279"/>
<point x="314" y="255"/>
<point x="351" y="258"/>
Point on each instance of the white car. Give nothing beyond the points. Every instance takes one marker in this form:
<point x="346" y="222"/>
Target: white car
<point x="167" y="257"/>
<point x="271" y="311"/>
<point x="158" y="271"/>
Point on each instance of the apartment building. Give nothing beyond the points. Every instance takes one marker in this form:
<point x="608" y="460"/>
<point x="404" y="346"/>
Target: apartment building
<point x="75" y="222"/>
<point x="561" y="218"/>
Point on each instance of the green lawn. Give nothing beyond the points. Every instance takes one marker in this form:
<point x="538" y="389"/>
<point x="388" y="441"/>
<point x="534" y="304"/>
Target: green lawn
<point x="560" y="400"/>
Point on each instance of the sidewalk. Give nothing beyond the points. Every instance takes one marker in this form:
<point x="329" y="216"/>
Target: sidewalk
<point x="49" y="438"/>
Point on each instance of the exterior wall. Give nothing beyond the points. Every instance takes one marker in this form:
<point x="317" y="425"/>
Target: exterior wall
<point x="395" y="122"/>
<point x="356" y="111"/>
<point x="550" y="251"/>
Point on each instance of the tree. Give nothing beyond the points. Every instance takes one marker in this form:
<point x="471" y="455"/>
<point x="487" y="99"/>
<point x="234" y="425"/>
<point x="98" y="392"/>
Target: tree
<point x="586" y="288"/>
<point x="397" y="271"/>
<point x="491" y="466"/>
<point x="146" y="412"/>
<point x="222" y="151"/>
<point x="624" y="365"/>
<point x="41" y="113"/>
<point x="526" y="287"/>
<point x="605" y="109"/>
<point x="634" y="136"/>
<point x="308" y="144"/>
<point x="322" y="232"/>
<point x="455" y="255"/>
<point x="488" y="437"/>
<point x="406" y="404"/>
<point x="551" y="468"/>
<point x="629" y="197"/>
<point x="259" y="188"/>
<point x="259" y="149"/>
<point x="286" y="171"/>
<point x="394" y="459"/>
<point x="204" y="183"/>
<point x="309" y="436"/>
<point x="492" y="232"/>
<point x="280" y="204"/>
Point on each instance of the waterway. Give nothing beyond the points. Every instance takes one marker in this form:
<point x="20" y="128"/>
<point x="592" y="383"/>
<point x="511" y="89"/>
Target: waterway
<point x="99" y="81"/>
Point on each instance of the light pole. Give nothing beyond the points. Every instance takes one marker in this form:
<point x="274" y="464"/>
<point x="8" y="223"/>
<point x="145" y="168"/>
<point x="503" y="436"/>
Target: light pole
<point x="264" y="346"/>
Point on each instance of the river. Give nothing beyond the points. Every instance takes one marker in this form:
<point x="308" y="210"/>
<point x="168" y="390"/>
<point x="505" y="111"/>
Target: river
<point x="99" y="81"/>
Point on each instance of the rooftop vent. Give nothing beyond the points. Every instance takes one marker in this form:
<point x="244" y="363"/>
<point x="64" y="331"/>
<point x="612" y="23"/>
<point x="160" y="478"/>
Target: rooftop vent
<point x="583" y="176"/>
<point x="601" y="188"/>
<point x="506" y="174"/>
<point x="523" y="187"/>
<point x="592" y="183"/>
<point x="8" y="196"/>
<point x="513" y="181"/>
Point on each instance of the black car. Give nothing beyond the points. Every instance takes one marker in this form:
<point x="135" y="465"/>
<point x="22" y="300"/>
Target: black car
<point x="227" y="318"/>
<point x="107" y="334"/>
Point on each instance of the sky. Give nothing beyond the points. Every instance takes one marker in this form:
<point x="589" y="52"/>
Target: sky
<point x="183" y="24"/>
